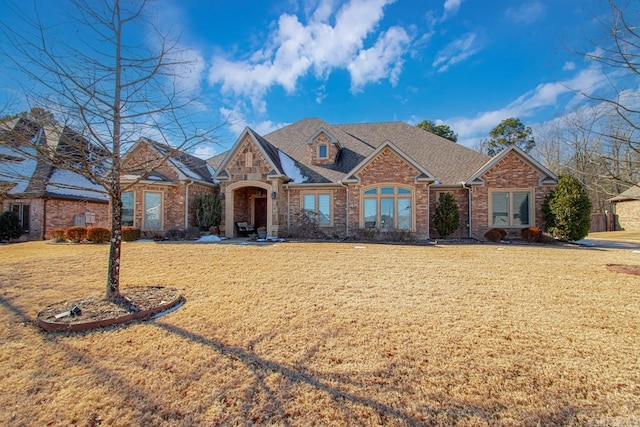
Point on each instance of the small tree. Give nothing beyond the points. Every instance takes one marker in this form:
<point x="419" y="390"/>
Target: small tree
<point x="208" y="208"/>
<point x="510" y="131"/>
<point x="567" y="210"/>
<point x="9" y="226"/>
<point x="447" y="218"/>
<point x="442" y="130"/>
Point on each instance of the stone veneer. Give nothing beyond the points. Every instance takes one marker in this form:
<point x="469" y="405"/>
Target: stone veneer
<point x="629" y="215"/>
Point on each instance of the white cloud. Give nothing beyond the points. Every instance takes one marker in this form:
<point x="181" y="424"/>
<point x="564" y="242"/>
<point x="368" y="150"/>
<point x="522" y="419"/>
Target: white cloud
<point x="380" y="61"/>
<point x="544" y="95"/>
<point x="457" y="51"/>
<point x="526" y="13"/>
<point x="451" y="8"/>
<point x="569" y="66"/>
<point x="294" y="49"/>
<point x="237" y="122"/>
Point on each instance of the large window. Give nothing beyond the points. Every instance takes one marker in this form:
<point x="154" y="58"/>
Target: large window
<point x="127" y="209"/>
<point x="388" y="207"/>
<point x="22" y="210"/>
<point x="152" y="211"/>
<point x="318" y="207"/>
<point x="511" y="208"/>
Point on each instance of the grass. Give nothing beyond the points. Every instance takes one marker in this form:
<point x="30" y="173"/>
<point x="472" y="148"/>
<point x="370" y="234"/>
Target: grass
<point x="623" y="236"/>
<point x="329" y="334"/>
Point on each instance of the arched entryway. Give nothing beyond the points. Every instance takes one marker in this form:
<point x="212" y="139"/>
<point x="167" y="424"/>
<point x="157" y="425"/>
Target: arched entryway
<point x="248" y="201"/>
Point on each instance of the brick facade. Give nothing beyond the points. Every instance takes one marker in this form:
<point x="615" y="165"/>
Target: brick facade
<point x="46" y="214"/>
<point x="332" y="150"/>
<point x="510" y="173"/>
<point x="628" y="212"/>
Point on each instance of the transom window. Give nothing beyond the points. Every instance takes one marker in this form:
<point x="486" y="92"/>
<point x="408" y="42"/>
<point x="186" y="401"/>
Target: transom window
<point x="322" y="151"/>
<point x="511" y="208"/>
<point x="127" y="209"/>
<point x="388" y="207"/>
<point x="318" y="207"/>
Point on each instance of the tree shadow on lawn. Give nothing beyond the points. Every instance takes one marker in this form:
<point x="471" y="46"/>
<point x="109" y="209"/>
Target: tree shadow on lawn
<point x="152" y="410"/>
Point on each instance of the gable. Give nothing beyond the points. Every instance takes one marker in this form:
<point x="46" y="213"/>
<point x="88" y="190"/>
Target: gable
<point x="513" y="165"/>
<point x="388" y="164"/>
<point x="142" y="159"/>
<point x="247" y="162"/>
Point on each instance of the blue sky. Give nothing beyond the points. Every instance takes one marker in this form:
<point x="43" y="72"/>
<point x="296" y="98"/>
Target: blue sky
<point x="468" y="63"/>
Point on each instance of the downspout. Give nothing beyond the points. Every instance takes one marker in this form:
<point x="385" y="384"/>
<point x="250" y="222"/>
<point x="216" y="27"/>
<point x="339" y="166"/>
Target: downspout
<point x="346" y="190"/>
<point x="186" y="204"/>
<point x="429" y="210"/>
<point x="469" y="203"/>
<point x="286" y="186"/>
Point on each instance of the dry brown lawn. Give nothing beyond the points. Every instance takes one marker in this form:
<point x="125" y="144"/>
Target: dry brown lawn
<point x="328" y="334"/>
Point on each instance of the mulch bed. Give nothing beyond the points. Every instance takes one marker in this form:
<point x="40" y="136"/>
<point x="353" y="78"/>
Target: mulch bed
<point x="95" y="311"/>
<point x="625" y="268"/>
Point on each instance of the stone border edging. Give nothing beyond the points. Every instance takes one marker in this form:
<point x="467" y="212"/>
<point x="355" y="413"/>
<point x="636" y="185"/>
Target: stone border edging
<point x="624" y="269"/>
<point x="85" y="326"/>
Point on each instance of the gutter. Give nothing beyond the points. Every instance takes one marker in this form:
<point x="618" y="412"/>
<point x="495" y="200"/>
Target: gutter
<point x="186" y="204"/>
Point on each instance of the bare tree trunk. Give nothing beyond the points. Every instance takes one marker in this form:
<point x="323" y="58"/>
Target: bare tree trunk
<point x="113" y="276"/>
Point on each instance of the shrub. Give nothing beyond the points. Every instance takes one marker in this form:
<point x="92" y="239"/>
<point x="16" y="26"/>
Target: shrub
<point x="174" y="234"/>
<point x="306" y="226"/>
<point x="9" y="226"/>
<point x="447" y="218"/>
<point x="76" y="234"/>
<point x="57" y="235"/>
<point x="531" y="234"/>
<point x="208" y="209"/>
<point x="130" y="234"/>
<point x="192" y="233"/>
<point x="495" y="234"/>
<point x="567" y="210"/>
<point x="98" y="234"/>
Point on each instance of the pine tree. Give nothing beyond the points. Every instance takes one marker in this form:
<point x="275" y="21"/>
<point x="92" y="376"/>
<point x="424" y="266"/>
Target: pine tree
<point x="447" y="218"/>
<point x="567" y="210"/>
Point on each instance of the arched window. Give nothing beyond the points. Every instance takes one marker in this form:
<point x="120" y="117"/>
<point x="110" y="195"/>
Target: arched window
<point x="388" y="206"/>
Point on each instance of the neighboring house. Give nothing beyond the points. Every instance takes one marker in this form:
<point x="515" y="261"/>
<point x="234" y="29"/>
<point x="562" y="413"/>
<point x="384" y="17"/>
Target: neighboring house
<point x="163" y="185"/>
<point x="377" y="175"/>
<point x="45" y="197"/>
<point x="627" y="208"/>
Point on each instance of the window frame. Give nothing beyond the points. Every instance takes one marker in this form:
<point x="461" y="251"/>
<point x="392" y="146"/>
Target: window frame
<point x="510" y="207"/>
<point x="144" y="211"/>
<point x="316" y="210"/>
<point x="21" y="215"/>
<point x="379" y="193"/>
<point x="326" y="151"/>
<point x="133" y="209"/>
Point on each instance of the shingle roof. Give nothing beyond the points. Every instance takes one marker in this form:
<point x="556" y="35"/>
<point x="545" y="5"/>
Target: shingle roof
<point x="632" y="193"/>
<point x="190" y="166"/>
<point x="449" y="162"/>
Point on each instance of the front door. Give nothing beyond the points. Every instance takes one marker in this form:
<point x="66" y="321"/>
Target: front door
<point x="260" y="211"/>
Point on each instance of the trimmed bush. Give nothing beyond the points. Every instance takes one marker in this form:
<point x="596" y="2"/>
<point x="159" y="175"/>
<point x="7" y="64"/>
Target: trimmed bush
<point x="130" y="234"/>
<point x="174" y="234"/>
<point x="9" y="226"/>
<point x="192" y="233"/>
<point x="98" y="234"/>
<point x="567" y="210"/>
<point x="495" y="234"/>
<point x="57" y="235"/>
<point x="531" y="234"/>
<point x="447" y="218"/>
<point x="76" y="234"/>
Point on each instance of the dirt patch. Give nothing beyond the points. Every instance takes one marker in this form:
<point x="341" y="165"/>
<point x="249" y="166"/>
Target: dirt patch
<point x="625" y="269"/>
<point x="95" y="311"/>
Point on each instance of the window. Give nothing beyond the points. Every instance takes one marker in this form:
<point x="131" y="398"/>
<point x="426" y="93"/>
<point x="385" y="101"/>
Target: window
<point x="388" y="207"/>
<point x="318" y="207"/>
<point x="127" y="209"/>
<point x="511" y="208"/>
<point x="152" y="211"/>
<point x="322" y="152"/>
<point x="22" y="210"/>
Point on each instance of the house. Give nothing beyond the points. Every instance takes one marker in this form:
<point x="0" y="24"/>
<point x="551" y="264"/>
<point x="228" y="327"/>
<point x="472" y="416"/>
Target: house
<point x="384" y="176"/>
<point x="45" y="197"/>
<point x="627" y="208"/>
<point x="159" y="185"/>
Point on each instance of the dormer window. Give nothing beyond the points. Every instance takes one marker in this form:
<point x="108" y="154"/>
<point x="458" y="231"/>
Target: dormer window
<point x="322" y="152"/>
